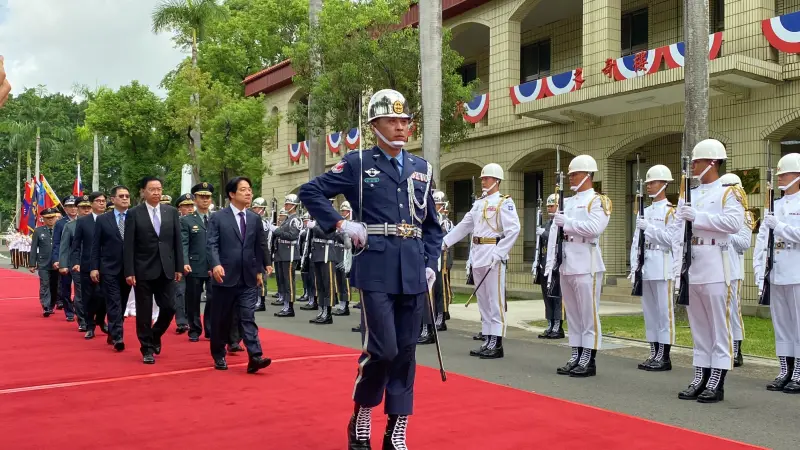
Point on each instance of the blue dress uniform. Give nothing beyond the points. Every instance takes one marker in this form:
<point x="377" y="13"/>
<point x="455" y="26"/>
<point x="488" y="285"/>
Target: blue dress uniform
<point x="390" y="272"/>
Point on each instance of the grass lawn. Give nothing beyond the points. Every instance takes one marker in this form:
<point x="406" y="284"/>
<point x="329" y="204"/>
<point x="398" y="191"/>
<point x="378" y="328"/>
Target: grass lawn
<point x="759" y="336"/>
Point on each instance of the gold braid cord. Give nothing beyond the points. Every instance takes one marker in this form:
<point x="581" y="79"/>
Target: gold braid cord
<point x="670" y="213"/>
<point x="605" y="203"/>
<point x="741" y="196"/>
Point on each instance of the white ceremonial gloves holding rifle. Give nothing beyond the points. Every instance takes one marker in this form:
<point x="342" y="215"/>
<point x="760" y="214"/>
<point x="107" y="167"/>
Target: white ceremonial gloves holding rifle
<point x="770" y="221"/>
<point x="356" y="231"/>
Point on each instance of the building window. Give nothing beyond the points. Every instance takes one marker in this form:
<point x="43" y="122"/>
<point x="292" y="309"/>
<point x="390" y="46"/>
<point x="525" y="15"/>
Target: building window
<point x="534" y="61"/>
<point x="718" y="16"/>
<point x="460" y="204"/>
<point x="469" y="73"/>
<point x="634" y="32"/>
<point x="534" y="190"/>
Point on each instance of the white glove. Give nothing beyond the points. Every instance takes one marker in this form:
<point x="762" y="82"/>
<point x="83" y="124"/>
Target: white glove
<point x="771" y="221"/>
<point x="496" y="259"/>
<point x="641" y="223"/>
<point x="272" y="227"/>
<point x="559" y="218"/>
<point x="760" y="282"/>
<point x="356" y="231"/>
<point x="687" y="213"/>
<point x="539" y="231"/>
<point x="430" y="277"/>
<point x="631" y="275"/>
<point x="311" y="224"/>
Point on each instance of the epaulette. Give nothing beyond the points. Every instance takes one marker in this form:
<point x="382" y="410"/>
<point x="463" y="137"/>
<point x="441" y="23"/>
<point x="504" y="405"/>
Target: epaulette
<point x="750" y="220"/>
<point x="738" y="193"/>
<point x="605" y="203"/>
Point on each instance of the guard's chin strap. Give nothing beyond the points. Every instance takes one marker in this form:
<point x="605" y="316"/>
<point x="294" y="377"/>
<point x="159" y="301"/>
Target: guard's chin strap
<point x="486" y="190"/>
<point x="393" y="144"/>
<point x="796" y="179"/>
<point x="704" y="172"/>
<point x="659" y="191"/>
<point x="575" y="188"/>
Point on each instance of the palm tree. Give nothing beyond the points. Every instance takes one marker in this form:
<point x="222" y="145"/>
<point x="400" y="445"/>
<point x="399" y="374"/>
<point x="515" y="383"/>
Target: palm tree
<point x="22" y="135"/>
<point x="188" y="18"/>
<point x="83" y="90"/>
<point x="40" y="114"/>
<point x="430" y="46"/>
<point x="316" y="138"/>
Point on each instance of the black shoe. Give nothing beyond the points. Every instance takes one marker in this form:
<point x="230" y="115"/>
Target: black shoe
<point x="395" y="436"/>
<point x="303" y="298"/>
<point x="711" y="395"/>
<point x="59" y="306"/>
<point x="779" y="383"/>
<point x="276" y="295"/>
<point x="567" y="368"/>
<point x="149" y="359"/>
<point x="793" y="387"/>
<point x="257" y="363"/>
<point x="442" y="326"/>
<point x="119" y="346"/>
<point x="82" y="328"/>
<point x="262" y="307"/>
<point x="234" y="348"/>
<point x="644" y="364"/>
<point x="478" y="351"/>
<point x="556" y="334"/>
<point x="545" y="334"/>
<point x="194" y="339"/>
<point x="220" y="364"/>
<point x="70" y="319"/>
<point x="425" y="338"/>
<point x="276" y="303"/>
<point x="109" y="341"/>
<point x="356" y="329"/>
<point x="89" y="335"/>
<point x="693" y="391"/>
<point x="46" y="313"/>
<point x="182" y="329"/>
<point x="353" y="441"/>
<point x="659" y="366"/>
<point x="285" y="312"/>
<point x="157" y="349"/>
<point x="104" y="328"/>
<point x="580" y="371"/>
<point x="479" y="337"/>
<point x="341" y="311"/>
<point x="357" y="305"/>
<point x="491" y="353"/>
<point x="308" y="306"/>
<point x="738" y="361"/>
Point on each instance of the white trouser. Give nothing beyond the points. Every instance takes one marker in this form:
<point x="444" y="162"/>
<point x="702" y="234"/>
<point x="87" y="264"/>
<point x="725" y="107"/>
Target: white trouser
<point x="492" y="299"/>
<point x="785" y="310"/>
<point x="737" y="324"/>
<point x="581" y="298"/>
<point x="130" y="308"/>
<point x="659" y="317"/>
<point x="710" y="320"/>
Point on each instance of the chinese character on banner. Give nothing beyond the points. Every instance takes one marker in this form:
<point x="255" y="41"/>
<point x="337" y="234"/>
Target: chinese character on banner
<point x="640" y="62"/>
<point x="608" y="70"/>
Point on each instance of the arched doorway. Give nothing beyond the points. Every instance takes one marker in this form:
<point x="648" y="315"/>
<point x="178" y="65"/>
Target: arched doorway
<point x="460" y="182"/>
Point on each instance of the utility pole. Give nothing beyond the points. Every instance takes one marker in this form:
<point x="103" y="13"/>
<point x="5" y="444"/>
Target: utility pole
<point x="430" y="52"/>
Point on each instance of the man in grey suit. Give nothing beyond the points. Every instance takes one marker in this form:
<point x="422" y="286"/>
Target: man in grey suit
<point x="238" y="251"/>
<point x="42" y="261"/>
<point x="65" y="261"/>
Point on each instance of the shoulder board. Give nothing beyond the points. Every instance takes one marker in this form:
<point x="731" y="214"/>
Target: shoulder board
<point x="506" y="197"/>
<point x="605" y="203"/>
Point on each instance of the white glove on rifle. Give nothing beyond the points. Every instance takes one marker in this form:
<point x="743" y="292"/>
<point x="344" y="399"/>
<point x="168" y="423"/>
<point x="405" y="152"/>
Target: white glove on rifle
<point x="311" y="224"/>
<point x="632" y="275"/>
<point x="560" y="219"/>
<point x="496" y="259"/>
<point x="539" y="231"/>
<point x="430" y="277"/>
<point x="641" y="223"/>
<point x="771" y="221"/>
<point x="687" y="213"/>
<point x="356" y="231"/>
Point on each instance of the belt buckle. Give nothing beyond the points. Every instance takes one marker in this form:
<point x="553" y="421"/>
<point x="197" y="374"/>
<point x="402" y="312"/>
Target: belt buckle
<point x="405" y="230"/>
<point x="780" y="245"/>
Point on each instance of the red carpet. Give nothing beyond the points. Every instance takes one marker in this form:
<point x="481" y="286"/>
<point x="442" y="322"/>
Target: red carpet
<point x="59" y="391"/>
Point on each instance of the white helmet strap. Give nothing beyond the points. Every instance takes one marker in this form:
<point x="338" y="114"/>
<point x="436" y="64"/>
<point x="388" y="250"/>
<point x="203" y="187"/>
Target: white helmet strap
<point x="705" y="171"/>
<point x="796" y="179"/>
<point x="659" y="191"/>
<point x="486" y="190"/>
<point x="575" y="188"/>
<point x="393" y="144"/>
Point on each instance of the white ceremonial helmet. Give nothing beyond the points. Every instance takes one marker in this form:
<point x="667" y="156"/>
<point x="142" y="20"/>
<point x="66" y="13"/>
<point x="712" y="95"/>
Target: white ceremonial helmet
<point x="259" y="202"/>
<point x="709" y="149"/>
<point x="291" y="199"/>
<point x="789" y="164"/>
<point x="552" y="200"/>
<point x="582" y="163"/>
<point x="658" y="172"/>
<point x="492" y="170"/>
<point x="387" y="103"/>
<point x="730" y="178"/>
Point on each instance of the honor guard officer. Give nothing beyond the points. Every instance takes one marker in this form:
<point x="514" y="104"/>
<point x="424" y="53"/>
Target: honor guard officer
<point x="185" y="206"/>
<point x="784" y="278"/>
<point x="659" y="317"/>
<point x="13" y="248"/>
<point x="494" y="225"/>
<point x="435" y="318"/>
<point x="739" y="243"/>
<point x="716" y="212"/>
<point x="398" y="240"/>
<point x="343" y="268"/>
<point x="553" y="309"/>
<point x="307" y="267"/>
<point x="585" y="217"/>
<point x="288" y="251"/>
<point x="280" y="280"/>
<point x="65" y="281"/>
<point x="41" y="261"/>
<point x="259" y="207"/>
<point x="447" y="224"/>
<point x="327" y="251"/>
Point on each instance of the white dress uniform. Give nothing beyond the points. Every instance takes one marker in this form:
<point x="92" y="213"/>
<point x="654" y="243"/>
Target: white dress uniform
<point x="491" y="217"/>
<point x="659" y="316"/>
<point x="784" y="280"/>
<point x="739" y="243"/>
<point x="581" y="273"/>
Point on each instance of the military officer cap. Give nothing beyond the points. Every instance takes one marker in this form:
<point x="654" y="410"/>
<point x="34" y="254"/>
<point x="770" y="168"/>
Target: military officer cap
<point x="50" y="212"/>
<point x="69" y="200"/>
<point x="110" y="206"/>
<point x="165" y="199"/>
<point x="203" y="188"/>
<point x="185" y="199"/>
<point x="84" y="201"/>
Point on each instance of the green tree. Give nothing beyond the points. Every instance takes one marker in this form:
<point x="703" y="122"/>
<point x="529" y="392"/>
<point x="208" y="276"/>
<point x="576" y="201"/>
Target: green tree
<point x="188" y="19"/>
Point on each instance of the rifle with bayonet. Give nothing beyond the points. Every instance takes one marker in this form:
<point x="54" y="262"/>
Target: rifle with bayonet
<point x="637" y="277"/>
<point x="553" y="284"/>
<point x="470" y="278"/>
<point x="537" y="254"/>
<point x="682" y="291"/>
<point x="763" y="295"/>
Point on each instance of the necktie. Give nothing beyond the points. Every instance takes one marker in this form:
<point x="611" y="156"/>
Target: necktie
<point x="396" y="165"/>
<point x="242" y="225"/>
<point x="156" y="223"/>
<point x="121" y="226"/>
<point x="205" y="220"/>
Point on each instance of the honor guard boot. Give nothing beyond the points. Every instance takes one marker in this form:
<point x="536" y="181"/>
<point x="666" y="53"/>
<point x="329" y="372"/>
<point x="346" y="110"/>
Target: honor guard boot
<point x="358" y="430"/>
<point x="310" y="305"/>
<point x="586" y="366"/>
<point x="661" y="363"/>
<point x="738" y="361"/>
<point x="701" y="375"/>
<point x="494" y="348"/>
<point x="546" y="333"/>
<point x="357" y="305"/>
<point x="479" y="337"/>
<point x="480" y="349"/>
<point x="262" y="305"/>
<point x="319" y="314"/>
<point x="345" y="311"/>
<point x="395" y="436"/>
<point x="356" y="329"/>
<point x="785" y="376"/>
<point x="286" y="312"/>
<point x="326" y="318"/>
<point x="558" y="330"/>
<point x="426" y="336"/>
<point x="714" y="391"/>
<point x="303" y="298"/>
<point x="572" y="363"/>
<point x="278" y="300"/>
<point x="441" y="322"/>
<point x="276" y="295"/>
<point x="793" y="387"/>
<point x="643" y="365"/>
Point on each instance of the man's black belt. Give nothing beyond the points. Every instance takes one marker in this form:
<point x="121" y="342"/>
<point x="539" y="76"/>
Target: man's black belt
<point x="402" y="230"/>
<point x="327" y="241"/>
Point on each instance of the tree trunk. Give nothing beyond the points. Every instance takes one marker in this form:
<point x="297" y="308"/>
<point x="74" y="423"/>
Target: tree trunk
<point x="430" y="44"/>
<point x="695" y="26"/>
<point x="18" y="203"/>
<point x="194" y="133"/>
<point x="96" y="165"/>
<point x="316" y="134"/>
<point x="38" y="155"/>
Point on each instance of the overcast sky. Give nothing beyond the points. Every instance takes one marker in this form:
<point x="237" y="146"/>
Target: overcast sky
<point x="93" y="42"/>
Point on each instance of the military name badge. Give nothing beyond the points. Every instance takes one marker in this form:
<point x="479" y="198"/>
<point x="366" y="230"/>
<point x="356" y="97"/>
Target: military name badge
<point x="339" y="167"/>
<point x="373" y="172"/>
<point x="419" y="176"/>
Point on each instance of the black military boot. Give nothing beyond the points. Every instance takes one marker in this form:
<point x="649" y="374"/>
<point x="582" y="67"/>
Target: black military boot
<point x="480" y="349"/>
<point x="262" y="305"/>
<point x="356" y="329"/>
<point x="643" y="365"/>
<point x="325" y="318"/>
<point x="793" y="386"/>
<point x="544" y="334"/>
<point x="426" y="336"/>
<point x="276" y="295"/>
<point x="303" y="298"/>
<point x="661" y="363"/>
<point x="785" y="376"/>
<point x="573" y="361"/>
<point x="738" y="361"/>
<point x="479" y="337"/>
<point x="395" y="436"/>
<point x="277" y="302"/>
<point x="714" y="391"/>
<point x="286" y="311"/>
<point x="359" y="428"/>
<point x="494" y="348"/>
<point x="310" y="306"/>
<point x="586" y="366"/>
<point x="441" y="323"/>
<point x="557" y="332"/>
<point x="342" y="311"/>
<point x="701" y="375"/>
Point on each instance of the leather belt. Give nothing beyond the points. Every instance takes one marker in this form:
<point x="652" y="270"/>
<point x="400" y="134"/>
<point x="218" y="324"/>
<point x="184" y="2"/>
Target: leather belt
<point x="485" y="240"/>
<point x="708" y="241"/>
<point x="402" y="230"/>
<point x="281" y="241"/>
<point x="787" y="246"/>
<point x="328" y="242"/>
<point x="579" y="240"/>
<point x="649" y="246"/>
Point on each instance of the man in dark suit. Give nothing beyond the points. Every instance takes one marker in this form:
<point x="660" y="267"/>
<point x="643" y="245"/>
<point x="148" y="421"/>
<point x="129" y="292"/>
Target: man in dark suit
<point x="93" y="303"/>
<point x="106" y="263"/>
<point x="65" y="280"/>
<point x="153" y="264"/>
<point x="238" y="251"/>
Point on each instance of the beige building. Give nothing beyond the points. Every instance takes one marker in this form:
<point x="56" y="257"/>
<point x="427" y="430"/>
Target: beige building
<point x="624" y="107"/>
